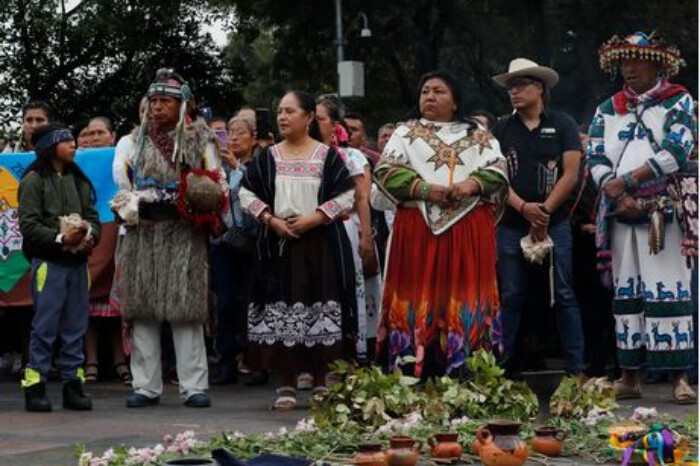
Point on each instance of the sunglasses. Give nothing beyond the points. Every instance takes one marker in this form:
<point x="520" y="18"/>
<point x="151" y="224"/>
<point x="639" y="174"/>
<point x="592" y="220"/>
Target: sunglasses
<point x="519" y="83"/>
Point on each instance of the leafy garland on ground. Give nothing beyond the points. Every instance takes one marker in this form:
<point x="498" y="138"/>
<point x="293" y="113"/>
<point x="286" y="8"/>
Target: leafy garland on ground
<point x="369" y="398"/>
<point x="370" y="406"/>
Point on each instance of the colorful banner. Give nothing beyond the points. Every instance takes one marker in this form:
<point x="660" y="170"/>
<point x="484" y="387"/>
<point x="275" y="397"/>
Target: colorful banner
<point x="14" y="268"/>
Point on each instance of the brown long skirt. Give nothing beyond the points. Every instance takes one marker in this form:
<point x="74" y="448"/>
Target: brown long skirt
<point x="295" y="321"/>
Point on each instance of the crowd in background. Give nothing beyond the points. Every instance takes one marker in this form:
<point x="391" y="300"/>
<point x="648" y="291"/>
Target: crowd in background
<point x="425" y="241"/>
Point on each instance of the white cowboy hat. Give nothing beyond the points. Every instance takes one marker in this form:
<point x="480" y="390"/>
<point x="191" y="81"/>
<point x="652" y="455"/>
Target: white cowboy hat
<point x="528" y="68"/>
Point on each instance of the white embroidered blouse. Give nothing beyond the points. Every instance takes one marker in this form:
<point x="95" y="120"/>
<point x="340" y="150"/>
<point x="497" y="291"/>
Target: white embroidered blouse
<point x="296" y="189"/>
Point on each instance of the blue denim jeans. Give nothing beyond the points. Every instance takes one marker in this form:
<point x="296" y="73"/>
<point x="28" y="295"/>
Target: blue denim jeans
<point x="515" y="282"/>
<point x="61" y="299"/>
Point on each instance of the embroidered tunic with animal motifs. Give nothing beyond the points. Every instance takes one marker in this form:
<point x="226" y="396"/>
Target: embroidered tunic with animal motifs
<point x="426" y="151"/>
<point x="652" y="305"/>
<point x="667" y="116"/>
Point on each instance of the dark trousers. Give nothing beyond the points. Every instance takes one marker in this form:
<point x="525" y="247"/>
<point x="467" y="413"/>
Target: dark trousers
<point x="514" y="282"/>
<point x="60" y="310"/>
<point x="596" y="306"/>
<point x="231" y="271"/>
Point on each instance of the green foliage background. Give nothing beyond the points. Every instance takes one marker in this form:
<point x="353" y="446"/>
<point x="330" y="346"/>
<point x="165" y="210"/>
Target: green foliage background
<point x="98" y="56"/>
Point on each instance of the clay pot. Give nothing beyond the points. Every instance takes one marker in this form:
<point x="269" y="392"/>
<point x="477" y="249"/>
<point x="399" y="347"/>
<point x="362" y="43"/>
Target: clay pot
<point x="474" y="447"/>
<point x="445" y="446"/>
<point x="500" y="444"/>
<point x="548" y="440"/>
<point x="403" y="451"/>
<point x="370" y="454"/>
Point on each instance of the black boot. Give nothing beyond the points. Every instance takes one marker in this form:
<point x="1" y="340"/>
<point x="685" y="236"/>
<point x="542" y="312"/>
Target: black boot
<point x="35" y="398"/>
<point x="74" y="398"/>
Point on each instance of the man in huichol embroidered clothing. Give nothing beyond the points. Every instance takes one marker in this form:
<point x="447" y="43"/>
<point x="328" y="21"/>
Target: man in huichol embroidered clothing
<point x="638" y="139"/>
<point x="163" y="258"/>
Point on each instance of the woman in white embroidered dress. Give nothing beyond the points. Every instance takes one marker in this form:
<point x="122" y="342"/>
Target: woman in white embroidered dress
<point x="302" y="315"/>
<point x="358" y="225"/>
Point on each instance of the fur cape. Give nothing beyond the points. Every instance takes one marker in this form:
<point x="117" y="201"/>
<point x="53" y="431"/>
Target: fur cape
<point x="165" y="265"/>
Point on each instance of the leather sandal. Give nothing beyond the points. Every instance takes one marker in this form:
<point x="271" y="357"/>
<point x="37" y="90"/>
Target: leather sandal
<point x="286" y="399"/>
<point x="124" y="374"/>
<point x="683" y="394"/>
<point x="625" y="391"/>
<point x="319" y="392"/>
<point x="91" y="373"/>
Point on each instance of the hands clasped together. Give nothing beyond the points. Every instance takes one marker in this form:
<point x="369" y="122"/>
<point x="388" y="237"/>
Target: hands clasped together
<point x="626" y="205"/>
<point x="76" y="234"/>
<point x="445" y="196"/>
<point x="293" y="227"/>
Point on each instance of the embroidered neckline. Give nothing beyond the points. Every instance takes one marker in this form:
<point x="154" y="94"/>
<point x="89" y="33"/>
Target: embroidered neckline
<point x="277" y="154"/>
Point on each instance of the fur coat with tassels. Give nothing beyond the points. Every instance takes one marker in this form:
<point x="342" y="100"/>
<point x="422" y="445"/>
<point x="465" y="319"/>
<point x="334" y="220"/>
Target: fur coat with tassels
<point x="163" y="266"/>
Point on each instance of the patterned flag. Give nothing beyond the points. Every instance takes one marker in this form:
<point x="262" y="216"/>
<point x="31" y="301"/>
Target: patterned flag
<point x="14" y="268"/>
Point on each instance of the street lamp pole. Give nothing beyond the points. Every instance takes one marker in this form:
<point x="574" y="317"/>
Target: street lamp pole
<point x="339" y="42"/>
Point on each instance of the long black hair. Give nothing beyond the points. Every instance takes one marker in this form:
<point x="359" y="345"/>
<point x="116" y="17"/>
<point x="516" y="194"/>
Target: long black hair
<point x="42" y="164"/>
<point x="334" y="113"/>
<point x="308" y="104"/>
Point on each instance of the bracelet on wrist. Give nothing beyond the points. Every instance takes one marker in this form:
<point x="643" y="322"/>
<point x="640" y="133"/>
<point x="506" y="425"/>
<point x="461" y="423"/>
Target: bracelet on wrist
<point x="265" y="218"/>
<point x="522" y="206"/>
<point x="425" y="191"/>
<point x="629" y="180"/>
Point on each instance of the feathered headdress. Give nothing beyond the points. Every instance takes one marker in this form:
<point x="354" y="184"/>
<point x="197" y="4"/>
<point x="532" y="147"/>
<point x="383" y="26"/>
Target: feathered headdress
<point x="170" y="84"/>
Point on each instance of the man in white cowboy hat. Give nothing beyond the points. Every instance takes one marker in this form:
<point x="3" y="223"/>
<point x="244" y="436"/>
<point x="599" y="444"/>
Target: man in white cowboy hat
<point x="639" y="138"/>
<point x="543" y="151"/>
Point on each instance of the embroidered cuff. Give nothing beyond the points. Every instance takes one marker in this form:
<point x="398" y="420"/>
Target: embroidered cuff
<point x="415" y="189"/>
<point x="331" y="209"/>
<point x="601" y="174"/>
<point x="663" y="163"/>
<point x="482" y="189"/>
<point x="257" y="207"/>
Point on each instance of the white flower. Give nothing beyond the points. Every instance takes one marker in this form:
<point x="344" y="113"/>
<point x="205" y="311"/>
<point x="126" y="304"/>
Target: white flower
<point x="85" y="459"/>
<point x="596" y="415"/>
<point x="234" y="435"/>
<point x="412" y="419"/>
<point x="391" y="426"/>
<point x="282" y="431"/>
<point x="305" y="425"/>
<point x="641" y="413"/>
<point x="459" y="421"/>
<point x="109" y="455"/>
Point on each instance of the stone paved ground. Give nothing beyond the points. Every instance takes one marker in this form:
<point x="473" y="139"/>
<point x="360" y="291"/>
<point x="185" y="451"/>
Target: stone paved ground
<point x="30" y="439"/>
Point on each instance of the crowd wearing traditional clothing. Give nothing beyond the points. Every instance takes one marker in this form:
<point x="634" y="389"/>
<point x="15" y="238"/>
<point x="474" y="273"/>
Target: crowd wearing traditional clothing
<point x="272" y="254"/>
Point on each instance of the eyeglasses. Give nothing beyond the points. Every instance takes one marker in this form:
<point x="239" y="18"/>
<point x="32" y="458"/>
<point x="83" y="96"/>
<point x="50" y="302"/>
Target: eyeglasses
<point x="519" y="83"/>
<point x="239" y="133"/>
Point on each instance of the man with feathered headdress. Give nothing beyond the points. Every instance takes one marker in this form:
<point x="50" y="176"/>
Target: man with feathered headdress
<point x="172" y="189"/>
<point x="639" y="138"/>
